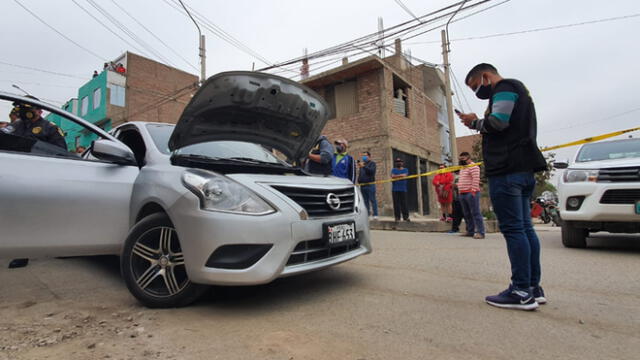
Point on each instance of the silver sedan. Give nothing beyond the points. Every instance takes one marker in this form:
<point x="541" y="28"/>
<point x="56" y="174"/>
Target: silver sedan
<point x="203" y="202"/>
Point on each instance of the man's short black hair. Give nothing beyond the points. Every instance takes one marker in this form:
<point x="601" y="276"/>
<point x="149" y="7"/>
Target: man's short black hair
<point x="464" y="153"/>
<point x="366" y="152"/>
<point x="479" y="69"/>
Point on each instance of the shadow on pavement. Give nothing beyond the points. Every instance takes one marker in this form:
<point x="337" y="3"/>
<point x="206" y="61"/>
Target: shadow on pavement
<point x="617" y="243"/>
<point x="292" y="291"/>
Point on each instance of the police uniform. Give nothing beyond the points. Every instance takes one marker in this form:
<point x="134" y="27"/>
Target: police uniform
<point x="40" y="129"/>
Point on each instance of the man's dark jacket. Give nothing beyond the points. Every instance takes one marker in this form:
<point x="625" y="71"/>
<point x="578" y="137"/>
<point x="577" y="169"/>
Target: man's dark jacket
<point x="513" y="149"/>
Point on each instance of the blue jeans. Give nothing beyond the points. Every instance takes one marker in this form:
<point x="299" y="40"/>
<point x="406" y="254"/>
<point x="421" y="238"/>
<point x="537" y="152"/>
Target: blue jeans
<point x="471" y="210"/>
<point x="369" y="197"/>
<point x="510" y="196"/>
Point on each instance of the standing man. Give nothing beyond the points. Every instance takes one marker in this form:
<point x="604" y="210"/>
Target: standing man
<point x="511" y="157"/>
<point x="399" y="191"/>
<point x="319" y="159"/>
<point x="343" y="164"/>
<point x="469" y="190"/>
<point x="368" y="175"/>
<point x="443" y="184"/>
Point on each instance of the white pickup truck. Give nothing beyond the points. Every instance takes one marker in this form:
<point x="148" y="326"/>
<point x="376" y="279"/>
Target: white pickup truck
<point x="600" y="191"/>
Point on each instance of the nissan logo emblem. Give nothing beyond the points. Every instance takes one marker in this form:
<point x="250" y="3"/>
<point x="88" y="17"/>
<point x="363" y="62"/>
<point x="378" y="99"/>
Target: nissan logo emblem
<point x="333" y="201"/>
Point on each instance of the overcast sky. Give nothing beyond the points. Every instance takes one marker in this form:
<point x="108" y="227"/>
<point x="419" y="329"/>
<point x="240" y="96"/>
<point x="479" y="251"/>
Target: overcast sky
<point x="580" y="77"/>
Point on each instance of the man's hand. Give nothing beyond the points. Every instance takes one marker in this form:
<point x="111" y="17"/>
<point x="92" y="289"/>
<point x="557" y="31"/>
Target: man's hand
<point x="468" y="118"/>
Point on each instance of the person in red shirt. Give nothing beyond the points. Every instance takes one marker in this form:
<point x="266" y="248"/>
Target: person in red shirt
<point x="443" y="184"/>
<point x="120" y="69"/>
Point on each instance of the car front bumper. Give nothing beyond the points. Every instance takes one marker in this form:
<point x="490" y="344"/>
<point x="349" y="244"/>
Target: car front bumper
<point x="591" y="208"/>
<point x="201" y="232"/>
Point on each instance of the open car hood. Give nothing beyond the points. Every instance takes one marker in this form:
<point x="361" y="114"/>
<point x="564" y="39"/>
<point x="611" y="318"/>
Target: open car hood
<point x="254" y="107"/>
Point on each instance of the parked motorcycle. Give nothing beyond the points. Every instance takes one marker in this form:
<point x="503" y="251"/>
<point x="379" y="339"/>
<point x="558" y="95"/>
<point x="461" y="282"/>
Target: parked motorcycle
<point x="547" y="210"/>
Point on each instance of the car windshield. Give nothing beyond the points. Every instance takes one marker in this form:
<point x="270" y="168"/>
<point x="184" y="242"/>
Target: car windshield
<point x="234" y="150"/>
<point x="610" y="150"/>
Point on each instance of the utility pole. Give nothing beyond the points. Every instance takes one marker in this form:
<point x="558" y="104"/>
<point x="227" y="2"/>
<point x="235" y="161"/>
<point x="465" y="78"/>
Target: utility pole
<point x="203" y="57"/>
<point x="380" y="38"/>
<point x="447" y="85"/>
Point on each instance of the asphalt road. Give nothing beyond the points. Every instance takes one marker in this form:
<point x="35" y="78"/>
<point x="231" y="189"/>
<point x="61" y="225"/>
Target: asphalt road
<point x="418" y="296"/>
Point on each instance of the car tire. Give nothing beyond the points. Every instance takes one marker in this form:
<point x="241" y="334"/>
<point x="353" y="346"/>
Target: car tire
<point x="152" y="265"/>
<point x="573" y="237"/>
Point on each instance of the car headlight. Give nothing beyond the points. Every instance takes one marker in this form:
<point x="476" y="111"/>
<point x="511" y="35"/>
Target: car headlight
<point x="219" y="193"/>
<point x="580" y="175"/>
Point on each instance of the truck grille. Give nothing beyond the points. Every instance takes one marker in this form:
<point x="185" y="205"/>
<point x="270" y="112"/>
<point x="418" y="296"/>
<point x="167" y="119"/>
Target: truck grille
<point x="629" y="174"/>
<point x="312" y="250"/>
<point x="621" y="196"/>
<point x="314" y="201"/>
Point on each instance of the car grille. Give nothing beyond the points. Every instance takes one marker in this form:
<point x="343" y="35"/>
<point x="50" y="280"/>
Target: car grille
<point x="620" y="174"/>
<point x="620" y="196"/>
<point x="312" y="250"/>
<point x="314" y="201"/>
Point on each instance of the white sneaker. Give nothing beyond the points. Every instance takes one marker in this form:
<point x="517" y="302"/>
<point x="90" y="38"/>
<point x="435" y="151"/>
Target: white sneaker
<point x="375" y="218"/>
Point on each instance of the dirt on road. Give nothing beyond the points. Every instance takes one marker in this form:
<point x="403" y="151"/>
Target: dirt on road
<point x="419" y="296"/>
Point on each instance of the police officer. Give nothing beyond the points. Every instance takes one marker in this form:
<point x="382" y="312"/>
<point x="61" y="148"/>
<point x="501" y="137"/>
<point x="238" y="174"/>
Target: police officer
<point x="31" y="124"/>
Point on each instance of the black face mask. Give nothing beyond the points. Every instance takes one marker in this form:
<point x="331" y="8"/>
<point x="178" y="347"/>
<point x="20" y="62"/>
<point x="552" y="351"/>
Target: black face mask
<point x="462" y="162"/>
<point x="483" y="92"/>
<point x="399" y="164"/>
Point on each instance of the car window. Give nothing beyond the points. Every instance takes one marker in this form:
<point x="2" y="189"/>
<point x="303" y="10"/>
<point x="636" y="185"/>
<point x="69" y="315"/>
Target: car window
<point x="38" y="132"/>
<point x="216" y="149"/>
<point x="609" y="150"/>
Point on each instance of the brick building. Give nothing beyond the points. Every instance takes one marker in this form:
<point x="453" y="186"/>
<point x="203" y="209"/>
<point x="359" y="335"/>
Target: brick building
<point x="466" y="143"/>
<point x="146" y="91"/>
<point x="392" y="109"/>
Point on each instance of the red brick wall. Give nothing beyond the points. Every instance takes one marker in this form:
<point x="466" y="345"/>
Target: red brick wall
<point x="148" y="82"/>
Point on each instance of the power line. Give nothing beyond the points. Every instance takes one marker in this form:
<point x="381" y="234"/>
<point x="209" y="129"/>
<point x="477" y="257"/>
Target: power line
<point x="218" y="31"/>
<point x="128" y="32"/>
<point x="105" y="26"/>
<point x="44" y="71"/>
<point x="538" y="29"/>
<point x="458" y="19"/>
<point x="57" y="31"/>
<point x="593" y="121"/>
<point x="373" y="38"/>
<point x="39" y="84"/>
<point x="154" y="35"/>
<point x="405" y="8"/>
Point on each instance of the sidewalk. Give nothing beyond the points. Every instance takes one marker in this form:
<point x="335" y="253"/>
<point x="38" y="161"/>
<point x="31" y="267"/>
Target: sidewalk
<point x="422" y="224"/>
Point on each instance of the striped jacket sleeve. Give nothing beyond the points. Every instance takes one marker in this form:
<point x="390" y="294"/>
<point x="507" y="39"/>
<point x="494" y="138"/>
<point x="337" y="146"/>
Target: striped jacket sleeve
<point x="503" y="101"/>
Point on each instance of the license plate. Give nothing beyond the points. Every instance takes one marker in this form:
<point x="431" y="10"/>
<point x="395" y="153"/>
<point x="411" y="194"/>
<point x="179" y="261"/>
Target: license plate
<point x="340" y="233"/>
<point x="638" y="207"/>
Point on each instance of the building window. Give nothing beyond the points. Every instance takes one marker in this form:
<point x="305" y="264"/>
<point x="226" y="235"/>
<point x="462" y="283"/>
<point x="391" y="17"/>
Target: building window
<point x="117" y="94"/>
<point x="84" y="106"/>
<point x="343" y="98"/>
<point x="400" y="96"/>
<point x="97" y="95"/>
<point x="77" y="142"/>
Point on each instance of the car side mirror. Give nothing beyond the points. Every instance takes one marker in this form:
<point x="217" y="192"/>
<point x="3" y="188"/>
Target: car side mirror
<point x="561" y="164"/>
<point x="108" y="150"/>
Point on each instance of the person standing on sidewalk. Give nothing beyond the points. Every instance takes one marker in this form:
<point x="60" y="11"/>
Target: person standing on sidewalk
<point x="469" y="189"/>
<point x="443" y="184"/>
<point x="368" y="175"/>
<point x="511" y="157"/>
<point x="399" y="191"/>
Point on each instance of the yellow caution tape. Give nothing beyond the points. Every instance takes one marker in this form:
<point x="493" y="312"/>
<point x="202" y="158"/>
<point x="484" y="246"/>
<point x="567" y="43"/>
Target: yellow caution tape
<point x="590" y="139"/>
<point x="548" y="148"/>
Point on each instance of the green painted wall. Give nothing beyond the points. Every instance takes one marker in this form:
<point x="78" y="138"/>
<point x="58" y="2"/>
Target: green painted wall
<point x="95" y="113"/>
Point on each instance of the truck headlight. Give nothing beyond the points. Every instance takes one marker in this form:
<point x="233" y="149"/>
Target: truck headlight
<point x="219" y="193"/>
<point x="580" y="175"/>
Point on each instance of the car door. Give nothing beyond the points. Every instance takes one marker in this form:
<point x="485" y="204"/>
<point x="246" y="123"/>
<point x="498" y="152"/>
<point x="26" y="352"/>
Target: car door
<point x="52" y="205"/>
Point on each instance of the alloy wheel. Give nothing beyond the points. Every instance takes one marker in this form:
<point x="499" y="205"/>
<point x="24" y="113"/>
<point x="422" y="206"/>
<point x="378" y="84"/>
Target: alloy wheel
<point x="157" y="262"/>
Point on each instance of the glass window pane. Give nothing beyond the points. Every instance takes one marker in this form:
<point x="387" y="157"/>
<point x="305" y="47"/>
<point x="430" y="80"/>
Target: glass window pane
<point x="97" y="95"/>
